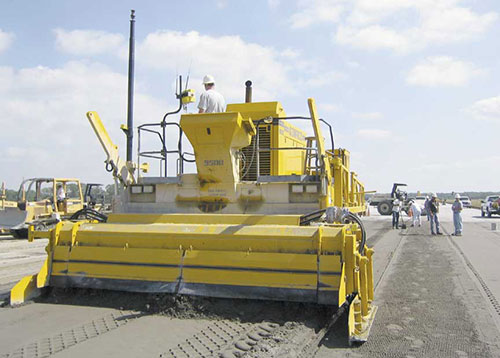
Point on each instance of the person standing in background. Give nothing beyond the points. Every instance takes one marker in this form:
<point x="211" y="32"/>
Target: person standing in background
<point x="434" y="210"/>
<point x="457" y="208"/>
<point x="396" y="209"/>
<point x="426" y="207"/>
<point x="416" y="214"/>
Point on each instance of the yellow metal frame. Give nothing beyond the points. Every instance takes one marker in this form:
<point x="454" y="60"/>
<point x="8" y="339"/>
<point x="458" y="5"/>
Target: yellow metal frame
<point x="122" y="170"/>
<point x="219" y="255"/>
<point x="348" y="191"/>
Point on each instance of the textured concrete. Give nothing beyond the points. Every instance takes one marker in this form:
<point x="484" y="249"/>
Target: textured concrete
<point x="437" y="296"/>
<point x="430" y="302"/>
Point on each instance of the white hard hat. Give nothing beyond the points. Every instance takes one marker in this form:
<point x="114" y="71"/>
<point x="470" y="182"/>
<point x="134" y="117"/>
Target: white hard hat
<point x="457" y="196"/>
<point x="208" y="79"/>
<point x="434" y="195"/>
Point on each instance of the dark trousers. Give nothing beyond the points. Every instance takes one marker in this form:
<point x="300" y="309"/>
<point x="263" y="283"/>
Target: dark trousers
<point x="395" y="219"/>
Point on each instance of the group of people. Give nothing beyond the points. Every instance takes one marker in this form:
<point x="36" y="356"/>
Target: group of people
<point x="431" y="207"/>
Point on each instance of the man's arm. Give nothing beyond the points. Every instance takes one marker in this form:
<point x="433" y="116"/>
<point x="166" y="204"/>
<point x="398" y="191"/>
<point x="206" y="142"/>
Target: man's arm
<point x="202" y="106"/>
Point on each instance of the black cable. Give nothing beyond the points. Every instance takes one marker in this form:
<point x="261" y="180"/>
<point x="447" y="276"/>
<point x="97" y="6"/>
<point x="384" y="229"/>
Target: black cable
<point x="110" y="167"/>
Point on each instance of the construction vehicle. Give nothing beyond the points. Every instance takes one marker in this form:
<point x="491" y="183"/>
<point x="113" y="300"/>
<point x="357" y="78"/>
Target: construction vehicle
<point x="37" y="204"/>
<point x="269" y="215"/>
<point x="383" y="202"/>
<point x="6" y="207"/>
<point x="220" y="232"/>
<point x="94" y="197"/>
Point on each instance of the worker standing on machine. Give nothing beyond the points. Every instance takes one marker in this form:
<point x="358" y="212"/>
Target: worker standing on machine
<point x="60" y="196"/>
<point x="396" y="209"/>
<point x="457" y="208"/>
<point x="211" y="101"/>
<point x="434" y="210"/>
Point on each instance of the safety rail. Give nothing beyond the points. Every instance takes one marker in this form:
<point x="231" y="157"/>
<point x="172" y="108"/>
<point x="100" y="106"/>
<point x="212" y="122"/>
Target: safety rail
<point x="348" y="190"/>
<point x="357" y="191"/>
<point x="162" y="155"/>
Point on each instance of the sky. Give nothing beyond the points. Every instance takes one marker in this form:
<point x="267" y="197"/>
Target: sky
<point x="411" y="87"/>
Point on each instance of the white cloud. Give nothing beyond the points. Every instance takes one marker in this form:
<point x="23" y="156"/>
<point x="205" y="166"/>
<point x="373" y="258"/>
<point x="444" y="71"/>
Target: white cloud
<point x="353" y="64"/>
<point x="6" y="39"/>
<point x="324" y="79"/>
<point x="372" y="38"/>
<point x="374" y="133"/>
<point x="88" y="42"/>
<point x="44" y="128"/>
<point x="442" y="71"/>
<point x="398" y="25"/>
<point x="313" y="12"/>
<point x="485" y="109"/>
<point x="367" y="115"/>
<point x="329" y="107"/>
<point x="230" y="59"/>
<point x="290" y="53"/>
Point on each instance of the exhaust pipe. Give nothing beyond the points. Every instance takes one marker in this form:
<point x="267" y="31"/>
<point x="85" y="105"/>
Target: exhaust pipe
<point x="130" y="98"/>
<point x="248" y="91"/>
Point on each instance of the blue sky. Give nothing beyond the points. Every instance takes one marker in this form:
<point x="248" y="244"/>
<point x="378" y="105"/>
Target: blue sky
<point x="410" y="86"/>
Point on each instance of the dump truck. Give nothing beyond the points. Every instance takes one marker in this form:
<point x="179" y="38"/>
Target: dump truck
<point x="383" y="202"/>
<point x="37" y="204"/>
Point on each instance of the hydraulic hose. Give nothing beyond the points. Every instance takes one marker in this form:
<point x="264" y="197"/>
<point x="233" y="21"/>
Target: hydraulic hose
<point x="346" y="217"/>
<point x="355" y="218"/>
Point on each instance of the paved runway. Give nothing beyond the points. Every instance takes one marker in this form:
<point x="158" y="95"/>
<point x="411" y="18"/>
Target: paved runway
<point x="437" y="296"/>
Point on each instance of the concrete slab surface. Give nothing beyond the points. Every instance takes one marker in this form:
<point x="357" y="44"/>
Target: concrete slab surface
<point x="437" y="296"/>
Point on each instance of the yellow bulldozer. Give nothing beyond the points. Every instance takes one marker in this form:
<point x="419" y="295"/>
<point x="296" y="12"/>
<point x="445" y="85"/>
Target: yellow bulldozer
<point x="37" y="204"/>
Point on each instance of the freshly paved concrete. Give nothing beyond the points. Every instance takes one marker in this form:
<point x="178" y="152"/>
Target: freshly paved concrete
<point x="18" y="258"/>
<point x="437" y="296"/>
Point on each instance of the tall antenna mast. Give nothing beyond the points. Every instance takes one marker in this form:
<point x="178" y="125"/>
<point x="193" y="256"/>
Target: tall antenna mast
<point x="130" y="106"/>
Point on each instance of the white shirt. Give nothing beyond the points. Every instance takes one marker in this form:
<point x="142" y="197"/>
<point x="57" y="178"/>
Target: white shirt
<point x="212" y="101"/>
<point x="396" y="206"/>
<point x="61" y="195"/>
<point x="415" y="209"/>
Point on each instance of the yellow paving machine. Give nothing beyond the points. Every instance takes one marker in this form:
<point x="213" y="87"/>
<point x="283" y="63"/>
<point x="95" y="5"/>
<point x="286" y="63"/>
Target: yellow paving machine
<point x="269" y="214"/>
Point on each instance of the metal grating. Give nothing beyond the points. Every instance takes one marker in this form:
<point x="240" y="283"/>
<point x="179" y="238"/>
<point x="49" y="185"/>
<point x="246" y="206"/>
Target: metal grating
<point x="265" y="157"/>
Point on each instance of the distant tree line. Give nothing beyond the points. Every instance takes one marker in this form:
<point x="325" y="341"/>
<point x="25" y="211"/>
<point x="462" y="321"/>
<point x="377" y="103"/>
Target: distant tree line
<point x="451" y="195"/>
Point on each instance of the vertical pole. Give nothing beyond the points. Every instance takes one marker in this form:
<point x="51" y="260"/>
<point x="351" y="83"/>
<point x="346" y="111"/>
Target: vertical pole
<point x="248" y="91"/>
<point x="130" y="107"/>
